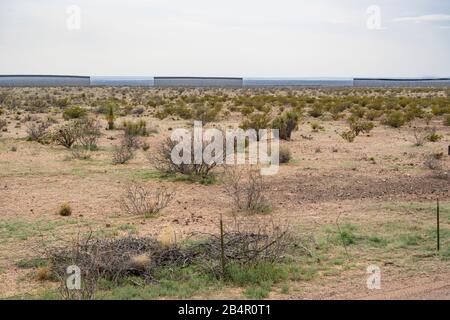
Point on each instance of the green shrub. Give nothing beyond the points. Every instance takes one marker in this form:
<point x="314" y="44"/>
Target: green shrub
<point x="207" y="112"/>
<point x="395" y="119"/>
<point x="74" y="112"/>
<point x="62" y="103"/>
<point x="413" y="111"/>
<point x="359" y="125"/>
<point x="256" y="121"/>
<point x="286" y="124"/>
<point x="246" y="110"/>
<point x="348" y="136"/>
<point x="433" y="136"/>
<point x="316" y="111"/>
<point x="373" y="114"/>
<point x="439" y="110"/>
<point x="357" y="112"/>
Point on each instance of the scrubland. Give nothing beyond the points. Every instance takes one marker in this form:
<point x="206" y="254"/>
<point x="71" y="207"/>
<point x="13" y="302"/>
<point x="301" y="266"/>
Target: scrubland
<point x="85" y="180"/>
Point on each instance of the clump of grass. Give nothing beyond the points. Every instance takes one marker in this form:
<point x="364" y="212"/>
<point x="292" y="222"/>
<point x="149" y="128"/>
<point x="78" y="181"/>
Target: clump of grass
<point x="377" y="241"/>
<point x="410" y="239"/>
<point x="65" y="210"/>
<point x="258" y="273"/>
<point x="433" y="136"/>
<point x="258" y="292"/>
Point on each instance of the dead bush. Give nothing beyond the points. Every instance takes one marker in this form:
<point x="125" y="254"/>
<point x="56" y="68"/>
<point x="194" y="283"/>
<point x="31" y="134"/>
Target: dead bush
<point x="131" y="141"/>
<point x="433" y="161"/>
<point x="246" y="190"/>
<point x="113" y="260"/>
<point x="244" y="243"/>
<point x="138" y="199"/>
<point x="67" y="134"/>
<point x="37" y="131"/>
<point x="126" y="151"/>
<point x="419" y="135"/>
<point x="122" y="154"/>
<point x="162" y="161"/>
<point x="89" y="133"/>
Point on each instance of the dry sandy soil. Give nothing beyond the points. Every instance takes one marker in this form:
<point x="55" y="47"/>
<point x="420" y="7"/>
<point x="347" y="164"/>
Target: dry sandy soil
<point x="377" y="184"/>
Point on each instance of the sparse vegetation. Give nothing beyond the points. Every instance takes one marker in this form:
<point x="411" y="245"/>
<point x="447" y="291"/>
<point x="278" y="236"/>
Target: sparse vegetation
<point x="381" y="188"/>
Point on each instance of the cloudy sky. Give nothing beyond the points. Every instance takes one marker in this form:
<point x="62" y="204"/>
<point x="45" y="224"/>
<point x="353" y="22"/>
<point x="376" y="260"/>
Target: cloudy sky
<point x="251" y="38"/>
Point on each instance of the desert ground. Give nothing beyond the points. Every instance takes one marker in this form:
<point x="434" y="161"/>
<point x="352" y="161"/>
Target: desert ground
<point x="371" y="201"/>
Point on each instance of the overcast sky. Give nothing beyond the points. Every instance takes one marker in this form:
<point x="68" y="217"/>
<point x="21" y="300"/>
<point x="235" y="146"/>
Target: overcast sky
<point x="250" y="38"/>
